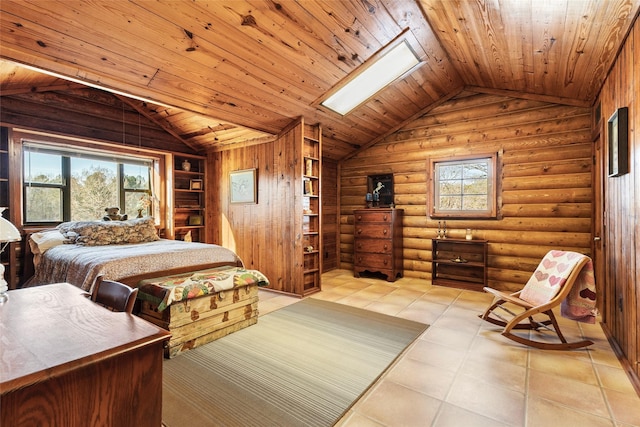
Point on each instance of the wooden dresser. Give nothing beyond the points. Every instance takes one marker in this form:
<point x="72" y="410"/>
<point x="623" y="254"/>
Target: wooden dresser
<point x="378" y="242"/>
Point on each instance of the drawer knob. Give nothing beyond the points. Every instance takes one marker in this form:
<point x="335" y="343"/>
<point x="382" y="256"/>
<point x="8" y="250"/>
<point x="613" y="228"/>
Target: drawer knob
<point x="384" y="217"/>
<point x="384" y="262"/>
<point x="360" y="231"/>
<point x="386" y="247"/>
<point x="384" y="231"/>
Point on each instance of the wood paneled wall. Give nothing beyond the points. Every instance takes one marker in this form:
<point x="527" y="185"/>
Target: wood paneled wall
<point x="87" y="113"/>
<point x="256" y="232"/>
<point x="545" y="180"/>
<point x="621" y="202"/>
<point x="266" y="235"/>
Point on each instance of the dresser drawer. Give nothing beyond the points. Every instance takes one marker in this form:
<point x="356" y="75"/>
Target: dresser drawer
<point x="373" y="261"/>
<point x="373" y="231"/>
<point x="373" y="216"/>
<point x="380" y="246"/>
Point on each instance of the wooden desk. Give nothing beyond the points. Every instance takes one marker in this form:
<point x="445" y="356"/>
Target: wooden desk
<point x="66" y="361"/>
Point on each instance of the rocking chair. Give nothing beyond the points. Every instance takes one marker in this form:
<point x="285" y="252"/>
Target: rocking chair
<point x="561" y="278"/>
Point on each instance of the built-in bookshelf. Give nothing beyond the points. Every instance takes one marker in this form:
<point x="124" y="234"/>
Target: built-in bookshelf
<point x="8" y="256"/>
<point x="311" y="209"/>
<point x="189" y="205"/>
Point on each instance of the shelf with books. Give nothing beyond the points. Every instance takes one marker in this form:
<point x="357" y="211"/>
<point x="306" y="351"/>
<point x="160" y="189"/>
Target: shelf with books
<point x="189" y="203"/>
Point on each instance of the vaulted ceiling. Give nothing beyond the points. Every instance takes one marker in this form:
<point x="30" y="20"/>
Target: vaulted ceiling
<point x="217" y="73"/>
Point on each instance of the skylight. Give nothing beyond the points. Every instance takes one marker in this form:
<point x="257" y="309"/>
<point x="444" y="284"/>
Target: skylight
<point x="373" y="79"/>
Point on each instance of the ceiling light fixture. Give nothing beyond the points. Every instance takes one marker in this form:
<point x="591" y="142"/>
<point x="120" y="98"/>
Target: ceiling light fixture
<point x="391" y="64"/>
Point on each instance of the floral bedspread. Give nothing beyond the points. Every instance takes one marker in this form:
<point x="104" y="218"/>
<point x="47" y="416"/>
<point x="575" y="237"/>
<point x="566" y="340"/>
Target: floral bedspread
<point x="164" y="291"/>
<point x="80" y="265"/>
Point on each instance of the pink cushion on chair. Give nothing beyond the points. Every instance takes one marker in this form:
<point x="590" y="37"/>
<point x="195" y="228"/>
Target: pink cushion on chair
<point x="550" y="276"/>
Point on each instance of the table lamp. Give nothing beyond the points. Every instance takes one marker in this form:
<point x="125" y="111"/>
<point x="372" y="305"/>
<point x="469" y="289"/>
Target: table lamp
<point x="8" y="233"/>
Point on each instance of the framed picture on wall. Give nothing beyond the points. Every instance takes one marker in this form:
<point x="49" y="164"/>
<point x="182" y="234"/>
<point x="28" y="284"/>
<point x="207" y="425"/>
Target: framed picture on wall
<point x="381" y="188"/>
<point x="243" y="186"/>
<point x="618" y="137"/>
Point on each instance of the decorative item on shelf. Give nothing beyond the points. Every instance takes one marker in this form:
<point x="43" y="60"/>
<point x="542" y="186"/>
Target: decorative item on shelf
<point x="468" y="236"/>
<point x="309" y="167"/>
<point x="8" y="233"/>
<point x="187" y="237"/>
<point x="186" y="165"/>
<point x="309" y="248"/>
<point x="442" y="230"/>
<point x="144" y="202"/>
<point x="308" y="187"/>
<point x="195" y="184"/>
<point x="195" y="219"/>
<point x="369" y="199"/>
<point x="459" y="259"/>
<point x="376" y="199"/>
<point x="113" y="215"/>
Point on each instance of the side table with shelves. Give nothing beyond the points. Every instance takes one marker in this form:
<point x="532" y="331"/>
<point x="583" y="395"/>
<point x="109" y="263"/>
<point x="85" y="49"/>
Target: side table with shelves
<point x="459" y="263"/>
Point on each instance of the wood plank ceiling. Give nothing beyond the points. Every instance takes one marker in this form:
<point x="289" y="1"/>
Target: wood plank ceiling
<point x="228" y="72"/>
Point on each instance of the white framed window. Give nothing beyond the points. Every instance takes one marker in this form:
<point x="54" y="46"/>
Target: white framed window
<point x="464" y="187"/>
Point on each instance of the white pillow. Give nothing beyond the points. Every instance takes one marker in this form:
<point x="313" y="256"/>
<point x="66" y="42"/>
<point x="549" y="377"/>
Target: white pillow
<point x="42" y="241"/>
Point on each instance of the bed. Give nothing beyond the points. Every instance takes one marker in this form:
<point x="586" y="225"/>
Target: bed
<point x="197" y="291"/>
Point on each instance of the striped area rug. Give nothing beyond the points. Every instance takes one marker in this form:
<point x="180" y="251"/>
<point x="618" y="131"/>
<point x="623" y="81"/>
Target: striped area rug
<point x="302" y="365"/>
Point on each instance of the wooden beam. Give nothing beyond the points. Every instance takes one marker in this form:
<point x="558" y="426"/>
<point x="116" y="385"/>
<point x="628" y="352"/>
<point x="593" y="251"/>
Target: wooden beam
<point x="50" y="88"/>
<point x="140" y="109"/>
<point x="531" y="96"/>
<point x="243" y="144"/>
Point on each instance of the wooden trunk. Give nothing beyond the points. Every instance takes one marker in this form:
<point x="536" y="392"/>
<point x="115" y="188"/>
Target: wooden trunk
<point x="198" y="321"/>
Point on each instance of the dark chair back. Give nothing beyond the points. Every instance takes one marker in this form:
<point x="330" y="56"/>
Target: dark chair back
<point x="114" y="295"/>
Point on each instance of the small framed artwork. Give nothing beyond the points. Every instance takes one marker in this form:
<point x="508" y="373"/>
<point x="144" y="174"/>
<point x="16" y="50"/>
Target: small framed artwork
<point x="243" y="186"/>
<point x="195" y="184"/>
<point x="618" y="135"/>
<point x="381" y="189"/>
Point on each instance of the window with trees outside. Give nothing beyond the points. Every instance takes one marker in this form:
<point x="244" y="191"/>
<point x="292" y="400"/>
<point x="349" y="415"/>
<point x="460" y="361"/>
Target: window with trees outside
<point x="464" y="187"/>
<point x="63" y="184"/>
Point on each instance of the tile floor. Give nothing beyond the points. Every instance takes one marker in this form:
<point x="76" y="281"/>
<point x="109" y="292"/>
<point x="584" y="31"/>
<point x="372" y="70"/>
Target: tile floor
<point x="462" y="372"/>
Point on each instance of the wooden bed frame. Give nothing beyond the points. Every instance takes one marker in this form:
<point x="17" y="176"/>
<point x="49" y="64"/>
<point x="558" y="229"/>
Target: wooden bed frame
<point x="193" y="322"/>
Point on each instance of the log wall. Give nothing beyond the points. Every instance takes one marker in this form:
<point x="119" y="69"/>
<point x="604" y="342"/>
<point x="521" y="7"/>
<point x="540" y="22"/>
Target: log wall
<point x="545" y="176"/>
<point x="330" y="215"/>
